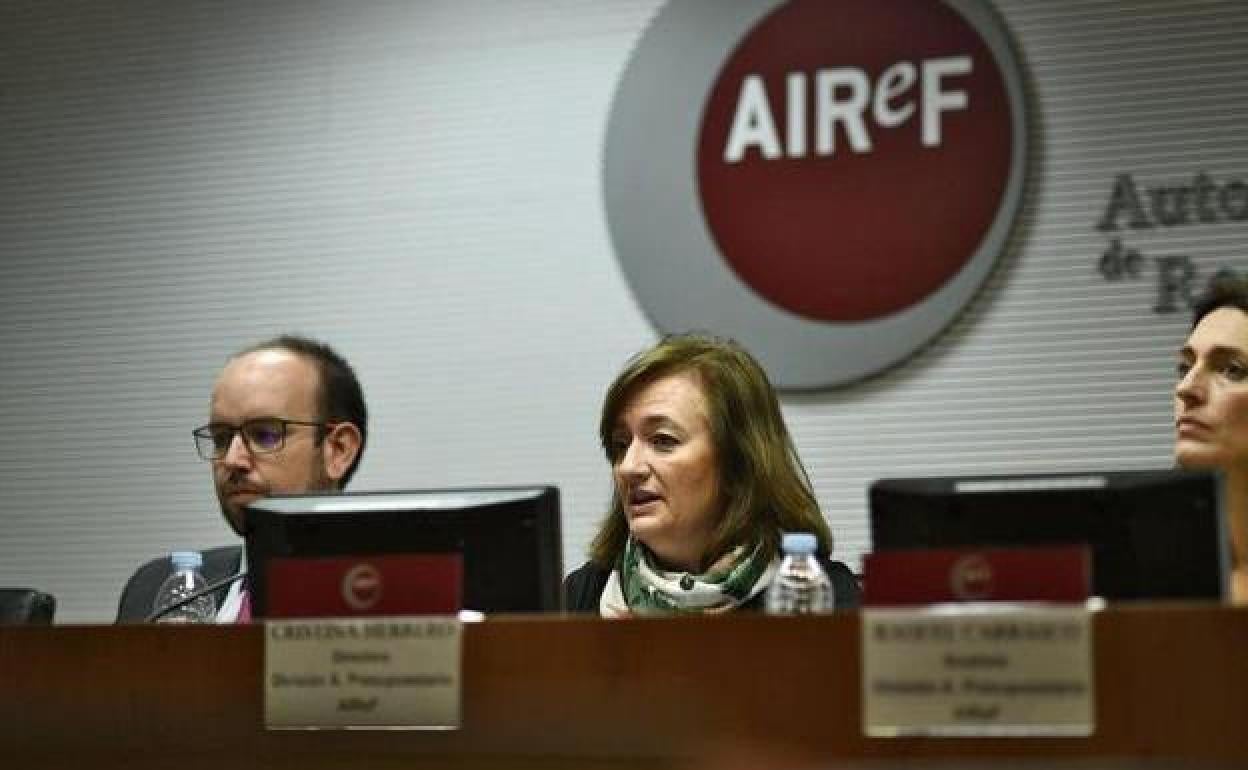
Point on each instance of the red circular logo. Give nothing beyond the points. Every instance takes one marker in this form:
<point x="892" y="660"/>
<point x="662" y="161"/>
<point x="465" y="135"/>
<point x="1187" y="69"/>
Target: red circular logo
<point x="971" y="577"/>
<point x="361" y="586"/>
<point x="853" y="155"/>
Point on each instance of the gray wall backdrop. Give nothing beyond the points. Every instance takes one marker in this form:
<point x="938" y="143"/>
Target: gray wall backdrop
<point x="419" y="183"/>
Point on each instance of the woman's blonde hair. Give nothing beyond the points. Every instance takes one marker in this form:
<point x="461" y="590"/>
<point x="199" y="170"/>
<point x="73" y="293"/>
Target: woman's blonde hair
<point x="764" y="490"/>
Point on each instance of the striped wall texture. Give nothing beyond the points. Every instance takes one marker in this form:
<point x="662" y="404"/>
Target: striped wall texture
<point x="419" y="184"/>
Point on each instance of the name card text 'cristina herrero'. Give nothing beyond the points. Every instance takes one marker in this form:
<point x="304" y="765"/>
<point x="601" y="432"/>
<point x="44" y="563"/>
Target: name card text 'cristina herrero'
<point x="372" y="672"/>
<point x="977" y="670"/>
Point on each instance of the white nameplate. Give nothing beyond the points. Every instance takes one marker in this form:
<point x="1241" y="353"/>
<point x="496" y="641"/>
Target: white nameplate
<point x="977" y="670"/>
<point x="367" y="672"/>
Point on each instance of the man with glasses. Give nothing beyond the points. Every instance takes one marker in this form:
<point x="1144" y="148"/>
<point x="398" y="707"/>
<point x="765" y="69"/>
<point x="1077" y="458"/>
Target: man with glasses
<point x="286" y="416"/>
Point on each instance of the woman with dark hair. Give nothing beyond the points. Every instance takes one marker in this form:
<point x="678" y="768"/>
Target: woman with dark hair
<point x="706" y="481"/>
<point x="1211" y="410"/>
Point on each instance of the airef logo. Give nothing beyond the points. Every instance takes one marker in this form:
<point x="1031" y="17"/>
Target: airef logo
<point x="361" y="587"/>
<point x="827" y="181"/>
<point x="971" y="578"/>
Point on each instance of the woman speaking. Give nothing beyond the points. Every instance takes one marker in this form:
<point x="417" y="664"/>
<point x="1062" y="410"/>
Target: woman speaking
<point x="706" y="481"/>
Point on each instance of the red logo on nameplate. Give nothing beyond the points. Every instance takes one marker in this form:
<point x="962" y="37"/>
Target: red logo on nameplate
<point x="343" y="586"/>
<point x="361" y="587"/>
<point x="971" y="577"/>
<point x="925" y="576"/>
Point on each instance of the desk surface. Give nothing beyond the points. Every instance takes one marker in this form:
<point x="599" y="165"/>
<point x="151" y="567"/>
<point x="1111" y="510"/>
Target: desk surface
<point x="1171" y="683"/>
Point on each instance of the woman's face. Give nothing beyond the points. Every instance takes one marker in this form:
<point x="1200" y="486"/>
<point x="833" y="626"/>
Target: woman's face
<point x="666" y="472"/>
<point x="1211" y="398"/>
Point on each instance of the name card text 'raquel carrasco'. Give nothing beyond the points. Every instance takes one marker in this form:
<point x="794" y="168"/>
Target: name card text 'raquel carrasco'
<point x="977" y="670"/>
<point x="372" y="672"/>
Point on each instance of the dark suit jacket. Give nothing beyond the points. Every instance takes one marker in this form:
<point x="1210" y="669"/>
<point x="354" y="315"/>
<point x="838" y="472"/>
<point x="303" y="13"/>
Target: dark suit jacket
<point x="20" y="606"/>
<point x="140" y="591"/>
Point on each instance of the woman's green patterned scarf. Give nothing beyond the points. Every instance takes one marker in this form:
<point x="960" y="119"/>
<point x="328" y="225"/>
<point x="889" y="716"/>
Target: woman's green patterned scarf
<point x="734" y="578"/>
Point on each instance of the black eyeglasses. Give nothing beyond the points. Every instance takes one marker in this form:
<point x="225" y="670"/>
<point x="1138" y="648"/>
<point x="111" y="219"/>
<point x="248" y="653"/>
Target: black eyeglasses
<point x="263" y="435"/>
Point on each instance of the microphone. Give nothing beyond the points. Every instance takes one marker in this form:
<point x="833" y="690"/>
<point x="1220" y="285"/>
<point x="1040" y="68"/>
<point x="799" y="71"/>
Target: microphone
<point x="208" y="589"/>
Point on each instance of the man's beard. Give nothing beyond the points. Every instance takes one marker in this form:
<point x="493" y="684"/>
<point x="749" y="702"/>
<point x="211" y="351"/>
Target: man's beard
<point x="319" y="481"/>
<point x="235" y="518"/>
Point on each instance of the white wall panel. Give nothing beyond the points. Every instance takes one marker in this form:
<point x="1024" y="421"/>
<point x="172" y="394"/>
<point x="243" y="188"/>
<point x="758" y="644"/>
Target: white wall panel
<point x="419" y="184"/>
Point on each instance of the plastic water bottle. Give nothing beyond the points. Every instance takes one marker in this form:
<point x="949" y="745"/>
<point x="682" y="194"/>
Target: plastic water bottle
<point x="185" y="580"/>
<point x="801" y="586"/>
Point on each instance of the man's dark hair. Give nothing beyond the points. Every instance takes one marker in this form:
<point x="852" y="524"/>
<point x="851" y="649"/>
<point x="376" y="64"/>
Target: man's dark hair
<point x="1228" y="292"/>
<point x="339" y="396"/>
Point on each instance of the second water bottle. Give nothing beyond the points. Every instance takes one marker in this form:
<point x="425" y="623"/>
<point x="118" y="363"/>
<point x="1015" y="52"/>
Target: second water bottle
<point x="184" y="580"/>
<point x="801" y="586"/>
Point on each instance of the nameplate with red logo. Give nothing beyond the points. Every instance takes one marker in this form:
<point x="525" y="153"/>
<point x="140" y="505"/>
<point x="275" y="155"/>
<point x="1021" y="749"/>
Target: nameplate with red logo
<point x="923" y="576"/>
<point x="379" y="672"/>
<point x="376" y="584"/>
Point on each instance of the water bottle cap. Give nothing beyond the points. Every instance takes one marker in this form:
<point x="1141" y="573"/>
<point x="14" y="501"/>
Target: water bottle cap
<point x="799" y="542"/>
<point x="186" y="559"/>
